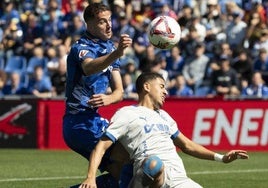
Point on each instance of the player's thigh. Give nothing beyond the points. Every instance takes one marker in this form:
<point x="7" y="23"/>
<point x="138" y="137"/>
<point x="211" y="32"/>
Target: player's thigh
<point x="189" y="183"/>
<point x="119" y="157"/>
<point x="174" y="178"/>
<point x="81" y="133"/>
<point x="119" y="153"/>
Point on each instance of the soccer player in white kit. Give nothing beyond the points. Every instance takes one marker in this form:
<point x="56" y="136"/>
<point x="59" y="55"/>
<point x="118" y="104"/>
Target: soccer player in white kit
<point x="150" y="135"/>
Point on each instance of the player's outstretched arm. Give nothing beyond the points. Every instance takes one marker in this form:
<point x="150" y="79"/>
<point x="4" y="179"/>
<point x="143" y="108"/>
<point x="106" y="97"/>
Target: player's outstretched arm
<point x="94" y="162"/>
<point x="197" y="150"/>
<point x="92" y="66"/>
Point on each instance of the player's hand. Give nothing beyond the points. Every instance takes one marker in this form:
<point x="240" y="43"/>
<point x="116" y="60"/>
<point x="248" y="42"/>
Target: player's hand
<point x="124" y="42"/>
<point x="99" y="100"/>
<point x="88" y="183"/>
<point x="235" y="154"/>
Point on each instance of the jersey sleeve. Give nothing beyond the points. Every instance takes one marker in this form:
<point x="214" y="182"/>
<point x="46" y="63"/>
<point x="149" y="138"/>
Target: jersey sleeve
<point x="118" y="125"/>
<point x="86" y="51"/>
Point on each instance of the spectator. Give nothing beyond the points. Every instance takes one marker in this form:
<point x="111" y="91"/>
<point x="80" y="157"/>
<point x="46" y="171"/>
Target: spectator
<point x="71" y="13"/>
<point x="15" y="86"/>
<point x="117" y="7"/>
<point x="32" y="34"/>
<point x="131" y="69"/>
<point x="257" y="88"/>
<point x="225" y="81"/>
<point x="201" y="29"/>
<point x="261" y="63"/>
<point x="225" y="49"/>
<point x="255" y="26"/>
<point x="12" y="40"/>
<point x="164" y="9"/>
<point x="39" y="85"/>
<point x="58" y="79"/>
<point x="243" y="65"/>
<point x="54" y="28"/>
<point x="75" y="31"/>
<point x="194" y="69"/>
<point x="180" y="88"/>
<point x="141" y="40"/>
<point x="129" y="87"/>
<point x="38" y="58"/>
<point x="124" y="26"/>
<point x="261" y="42"/>
<point x="175" y="62"/>
<point x="157" y="68"/>
<point x="56" y="55"/>
<point x="147" y="57"/>
<point x="3" y="79"/>
<point x="188" y="45"/>
<point x="185" y="16"/>
<point x="213" y="21"/>
<point x="236" y="30"/>
<point x="53" y="59"/>
<point x="9" y="14"/>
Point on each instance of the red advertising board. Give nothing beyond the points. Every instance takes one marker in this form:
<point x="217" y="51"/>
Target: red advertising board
<point x="215" y="123"/>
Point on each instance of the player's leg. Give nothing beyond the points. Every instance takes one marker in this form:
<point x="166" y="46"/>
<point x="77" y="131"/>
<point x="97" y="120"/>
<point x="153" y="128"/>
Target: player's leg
<point x="126" y="175"/>
<point x="151" y="174"/>
<point x="188" y="183"/>
<point x="175" y="178"/>
<point x="81" y="134"/>
<point x="120" y="167"/>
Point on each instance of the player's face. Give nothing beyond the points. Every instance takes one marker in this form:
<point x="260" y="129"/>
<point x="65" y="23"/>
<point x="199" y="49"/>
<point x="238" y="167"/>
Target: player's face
<point x="101" y="26"/>
<point x="157" y="93"/>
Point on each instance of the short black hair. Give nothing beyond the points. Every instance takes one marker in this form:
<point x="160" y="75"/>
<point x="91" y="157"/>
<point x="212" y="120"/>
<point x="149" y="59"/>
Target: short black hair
<point x="93" y="9"/>
<point x="144" y="77"/>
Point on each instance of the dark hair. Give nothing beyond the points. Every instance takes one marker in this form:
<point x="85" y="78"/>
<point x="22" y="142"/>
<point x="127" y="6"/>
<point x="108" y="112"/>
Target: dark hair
<point x="93" y="9"/>
<point x="145" y="77"/>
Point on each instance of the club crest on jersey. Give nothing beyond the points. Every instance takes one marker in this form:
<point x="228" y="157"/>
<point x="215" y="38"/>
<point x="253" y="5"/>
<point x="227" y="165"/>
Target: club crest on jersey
<point x="82" y="53"/>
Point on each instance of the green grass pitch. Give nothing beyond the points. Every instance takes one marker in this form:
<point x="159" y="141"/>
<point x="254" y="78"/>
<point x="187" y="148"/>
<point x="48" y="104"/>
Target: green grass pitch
<point x="30" y="168"/>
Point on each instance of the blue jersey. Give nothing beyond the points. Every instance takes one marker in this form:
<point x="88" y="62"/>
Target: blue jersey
<point x="79" y="87"/>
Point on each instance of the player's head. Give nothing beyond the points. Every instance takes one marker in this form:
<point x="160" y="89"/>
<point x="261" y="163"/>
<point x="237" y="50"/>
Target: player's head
<point x="98" y="20"/>
<point x="151" y="86"/>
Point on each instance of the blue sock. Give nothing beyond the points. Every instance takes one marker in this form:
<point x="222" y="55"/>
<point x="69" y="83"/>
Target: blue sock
<point x="126" y="175"/>
<point x="106" y="181"/>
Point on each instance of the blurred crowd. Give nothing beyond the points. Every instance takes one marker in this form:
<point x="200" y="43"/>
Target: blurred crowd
<point x="223" y="50"/>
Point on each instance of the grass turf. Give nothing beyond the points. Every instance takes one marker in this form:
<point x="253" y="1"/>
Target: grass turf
<point x="29" y="168"/>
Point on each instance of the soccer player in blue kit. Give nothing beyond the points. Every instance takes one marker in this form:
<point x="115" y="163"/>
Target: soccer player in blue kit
<point x="93" y="67"/>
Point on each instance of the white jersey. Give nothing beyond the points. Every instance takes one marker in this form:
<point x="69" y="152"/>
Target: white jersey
<point x="145" y="132"/>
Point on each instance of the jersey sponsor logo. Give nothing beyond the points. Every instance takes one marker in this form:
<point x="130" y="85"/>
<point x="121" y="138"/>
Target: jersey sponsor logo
<point x="104" y="51"/>
<point x="156" y="127"/>
<point x="82" y="53"/>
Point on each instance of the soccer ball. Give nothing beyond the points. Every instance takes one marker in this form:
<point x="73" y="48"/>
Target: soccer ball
<point x="164" y="32"/>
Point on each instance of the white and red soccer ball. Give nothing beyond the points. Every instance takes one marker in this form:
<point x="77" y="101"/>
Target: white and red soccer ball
<point x="164" y="32"/>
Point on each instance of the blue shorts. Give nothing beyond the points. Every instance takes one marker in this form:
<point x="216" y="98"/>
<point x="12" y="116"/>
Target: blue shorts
<point x="82" y="132"/>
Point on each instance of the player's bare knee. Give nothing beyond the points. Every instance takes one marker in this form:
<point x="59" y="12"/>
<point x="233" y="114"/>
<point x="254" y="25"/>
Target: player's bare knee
<point x="153" y="167"/>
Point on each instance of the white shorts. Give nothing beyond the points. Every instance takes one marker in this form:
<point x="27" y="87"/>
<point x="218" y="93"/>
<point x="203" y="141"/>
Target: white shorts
<point x="175" y="179"/>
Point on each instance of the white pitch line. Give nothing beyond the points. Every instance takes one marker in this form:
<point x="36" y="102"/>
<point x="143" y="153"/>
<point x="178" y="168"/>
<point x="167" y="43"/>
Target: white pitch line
<point x="40" y="178"/>
<point x="80" y="177"/>
<point x="229" y="171"/>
